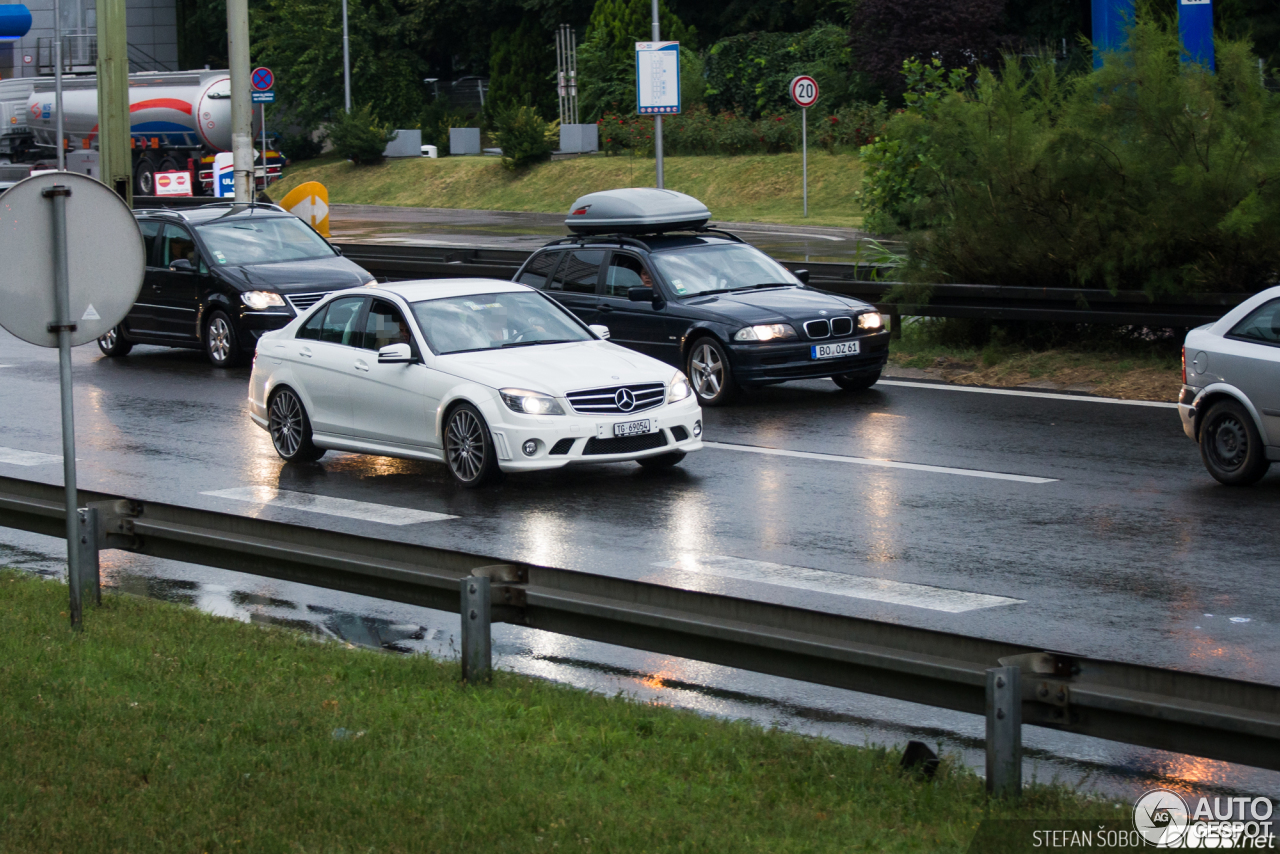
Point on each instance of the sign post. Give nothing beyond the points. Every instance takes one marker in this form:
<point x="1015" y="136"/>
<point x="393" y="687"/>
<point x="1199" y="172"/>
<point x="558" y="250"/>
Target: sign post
<point x="263" y="81"/>
<point x="58" y="293"/>
<point x="804" y="91"/>
<point x="657" y="85"/>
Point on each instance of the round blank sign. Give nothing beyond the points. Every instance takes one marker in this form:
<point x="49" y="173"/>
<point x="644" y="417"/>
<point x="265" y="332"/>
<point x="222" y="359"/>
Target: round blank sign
<point x="104" y="258"/>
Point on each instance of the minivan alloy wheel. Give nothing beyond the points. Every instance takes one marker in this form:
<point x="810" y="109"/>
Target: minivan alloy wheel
<point x="219" y="339"/>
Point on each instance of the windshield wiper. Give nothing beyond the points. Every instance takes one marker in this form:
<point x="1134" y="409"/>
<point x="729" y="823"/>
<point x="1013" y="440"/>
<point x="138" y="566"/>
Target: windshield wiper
<point x="531" y="343"/>
<point x="763" y="285"/>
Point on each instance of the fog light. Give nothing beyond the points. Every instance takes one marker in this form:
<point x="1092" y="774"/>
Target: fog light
<point x="697" y="429"/>
<point x="530" y="448"/>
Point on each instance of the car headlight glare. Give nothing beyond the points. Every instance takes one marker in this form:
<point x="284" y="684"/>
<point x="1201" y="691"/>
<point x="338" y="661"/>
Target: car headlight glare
<point x="530" y="402"/>
<point x="870" y="320"/>
<point x="767" y="332"/>
<point x="678" y="388"/>
<point x="258" y="300"/>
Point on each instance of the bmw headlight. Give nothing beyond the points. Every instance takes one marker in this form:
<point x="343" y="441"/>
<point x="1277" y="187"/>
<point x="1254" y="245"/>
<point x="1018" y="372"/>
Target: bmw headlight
<point x="530" y="402"/>
<point x="870" y="320"/>
<point x="258" y="300"/>
<point x="678" y="388"/>
<point x="767" y="332"/>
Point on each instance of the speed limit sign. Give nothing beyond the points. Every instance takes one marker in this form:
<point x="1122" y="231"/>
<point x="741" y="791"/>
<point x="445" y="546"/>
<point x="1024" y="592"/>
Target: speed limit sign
<point x="804" y="91"/>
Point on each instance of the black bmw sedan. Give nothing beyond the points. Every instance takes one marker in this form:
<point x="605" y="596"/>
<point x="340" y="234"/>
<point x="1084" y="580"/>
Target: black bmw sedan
<point x="220" y="275"/>
<point x="727" y="314"/>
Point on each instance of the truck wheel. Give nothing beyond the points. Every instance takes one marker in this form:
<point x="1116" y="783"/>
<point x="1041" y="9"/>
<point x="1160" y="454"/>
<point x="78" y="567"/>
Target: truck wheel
<point x="144" y="178"/>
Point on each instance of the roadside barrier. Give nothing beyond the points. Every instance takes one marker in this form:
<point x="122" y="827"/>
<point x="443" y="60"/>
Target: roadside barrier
<point x="989" y="302"/>
<point x="1011" y="685"/>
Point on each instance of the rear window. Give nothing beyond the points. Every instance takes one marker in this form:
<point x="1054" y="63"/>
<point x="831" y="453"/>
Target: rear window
<point x="1262" y="325"/>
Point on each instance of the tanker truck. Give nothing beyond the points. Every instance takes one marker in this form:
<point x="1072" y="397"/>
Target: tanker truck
<point x="178" y="121"/>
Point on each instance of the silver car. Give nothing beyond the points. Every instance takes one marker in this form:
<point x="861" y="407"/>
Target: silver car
<point x="1230" y="401"/>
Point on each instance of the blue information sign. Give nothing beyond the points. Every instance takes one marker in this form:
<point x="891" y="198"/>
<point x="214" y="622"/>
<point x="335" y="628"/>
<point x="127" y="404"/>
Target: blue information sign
<point x="1110" y="20"/>
<point x="263" y="97"/>
<point x="1195" y="25"/>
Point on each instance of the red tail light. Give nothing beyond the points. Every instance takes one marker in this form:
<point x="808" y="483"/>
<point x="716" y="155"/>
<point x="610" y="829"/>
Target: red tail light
<point x="580" y="211"/>
<point x="1184" y="364"/>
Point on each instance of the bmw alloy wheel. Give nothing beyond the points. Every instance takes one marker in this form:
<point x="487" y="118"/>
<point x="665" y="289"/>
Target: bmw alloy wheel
<point x="708" y="370"/>
<point x="286" y="423"/>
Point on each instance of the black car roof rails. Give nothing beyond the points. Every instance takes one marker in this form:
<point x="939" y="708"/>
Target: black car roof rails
<point x="602" y="238"/>
<point x="729" y="234"/>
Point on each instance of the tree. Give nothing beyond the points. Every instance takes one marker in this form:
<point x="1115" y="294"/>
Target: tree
<point x="607" y="57"/>
<point x="885" y="33"/>
<point x="522" y="67"/>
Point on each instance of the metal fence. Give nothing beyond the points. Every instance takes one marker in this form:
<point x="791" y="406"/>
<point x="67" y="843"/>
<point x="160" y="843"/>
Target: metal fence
<point x="1225" y="719"/>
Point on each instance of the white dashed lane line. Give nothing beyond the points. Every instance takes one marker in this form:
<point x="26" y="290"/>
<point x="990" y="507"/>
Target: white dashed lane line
<point x="14" y="457"/>
<point x="1078" y="398"/>
<point x="362" y="510"/>
<point x="888" y="464"/>
<point x="837" y="583"/>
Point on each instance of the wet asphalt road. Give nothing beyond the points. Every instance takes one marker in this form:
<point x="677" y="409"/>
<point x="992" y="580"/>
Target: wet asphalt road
<point x="529" y="231"/>
<point x="1124" y="554"/>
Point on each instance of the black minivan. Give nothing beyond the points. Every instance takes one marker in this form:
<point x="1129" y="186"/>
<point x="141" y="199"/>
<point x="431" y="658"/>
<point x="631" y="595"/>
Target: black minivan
<point x="220" y="275"/>
<point x="721" y="310"/>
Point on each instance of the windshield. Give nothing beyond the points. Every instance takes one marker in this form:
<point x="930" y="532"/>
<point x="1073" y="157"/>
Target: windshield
<point x="494" y="321"/>
<point x="262" y="241"/>
<point x="705" y="269"/>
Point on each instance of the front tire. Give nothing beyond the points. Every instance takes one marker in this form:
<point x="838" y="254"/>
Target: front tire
<point x="1231" y="446"/>
<point x="468" y="448"/>
<point x="857" y="382"/>
<point x="112" y="343"/>
<point x="290" y="428"/>
<point x="710" y="373"/>
<point x="662" y="461"/>
<point x="221" y="343"/>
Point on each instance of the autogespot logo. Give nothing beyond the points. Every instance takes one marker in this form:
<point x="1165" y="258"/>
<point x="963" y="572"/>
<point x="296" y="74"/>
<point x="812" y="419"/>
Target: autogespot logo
<point x="1161" y="816"/>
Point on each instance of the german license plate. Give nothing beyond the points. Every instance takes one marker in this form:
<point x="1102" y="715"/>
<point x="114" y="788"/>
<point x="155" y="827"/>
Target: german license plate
<point x="834" y="351"/>
<point x="633" y="428"/>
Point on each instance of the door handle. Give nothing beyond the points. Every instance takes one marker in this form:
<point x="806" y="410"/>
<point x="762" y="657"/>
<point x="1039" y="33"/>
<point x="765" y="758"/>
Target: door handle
<point x="362" y="365"/>
<point x="305" y="352"/>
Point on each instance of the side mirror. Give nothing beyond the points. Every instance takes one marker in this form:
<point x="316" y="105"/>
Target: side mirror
<point x="603" y="331"/>
<point x="182" y="265"/>
<point x="395" y="354"/>
<point x="802" y="275"/>
<point x="640" y="294"/>
<point x="337" y="250"/>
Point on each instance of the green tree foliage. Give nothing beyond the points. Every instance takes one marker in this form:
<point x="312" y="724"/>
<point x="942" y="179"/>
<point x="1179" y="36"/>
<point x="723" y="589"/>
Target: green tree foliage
<point x="202" y="33"/>
<point x="719" y="20"/>
<point x="1147" y="173"/>
<point x="750" y="74"/>
<point x="607" y="55"/>
<point x="302" y="41"/>
<point x="522" y="67"/>
<point x="359" y="136"/>
<point x="524" y="136"/>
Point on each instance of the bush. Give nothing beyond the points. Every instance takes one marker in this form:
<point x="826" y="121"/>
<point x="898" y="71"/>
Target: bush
<point x="524" y="136"/>
<point x="301" y="146"/>
<point x="437" y="118"/>
<point x="359" y="137"/>
<point x="1147" y="173"/>
<point x="607" y="55"/>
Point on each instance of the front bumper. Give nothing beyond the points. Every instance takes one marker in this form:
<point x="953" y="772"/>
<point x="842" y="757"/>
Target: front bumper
<point x="776" y="362"/>
<point x="256" y="323"/>
<point x="589" y="438"/>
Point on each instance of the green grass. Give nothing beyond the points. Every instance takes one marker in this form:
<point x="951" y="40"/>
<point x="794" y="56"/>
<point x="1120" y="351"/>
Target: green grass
<point x="163" y="729"/>
<point x="758" y="188"/>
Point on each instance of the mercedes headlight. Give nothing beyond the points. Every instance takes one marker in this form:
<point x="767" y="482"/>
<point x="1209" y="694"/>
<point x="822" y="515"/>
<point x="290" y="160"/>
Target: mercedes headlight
<point x="530" y="402"/>
<point x="258" y="300"/>
<point x="678" y="388"/>
<point x="870" y="320"/>
<point x="767" y="332"/>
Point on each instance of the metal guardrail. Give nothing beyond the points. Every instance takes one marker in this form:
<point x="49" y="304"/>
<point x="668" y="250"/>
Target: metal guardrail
<point x="990" y="302"/>
<point x="1225" y="719"/>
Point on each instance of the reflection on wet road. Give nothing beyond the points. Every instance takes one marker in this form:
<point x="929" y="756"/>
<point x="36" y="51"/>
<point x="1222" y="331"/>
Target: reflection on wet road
<point x="1111" y="541"/>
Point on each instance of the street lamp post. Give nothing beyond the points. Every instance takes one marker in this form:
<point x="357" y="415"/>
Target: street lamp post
<point x="346" y="59"/>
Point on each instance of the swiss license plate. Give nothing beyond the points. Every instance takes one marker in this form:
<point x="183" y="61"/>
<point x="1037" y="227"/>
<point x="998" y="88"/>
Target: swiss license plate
<point x="834" y="351"/>
<point x="633" y="428"/>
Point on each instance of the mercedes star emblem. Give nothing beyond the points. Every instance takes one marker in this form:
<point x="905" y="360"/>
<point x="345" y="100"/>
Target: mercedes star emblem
<point x="625" y="399"/>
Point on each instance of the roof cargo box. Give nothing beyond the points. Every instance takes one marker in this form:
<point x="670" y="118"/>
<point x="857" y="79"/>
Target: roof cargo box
<point x="636" y="210"/>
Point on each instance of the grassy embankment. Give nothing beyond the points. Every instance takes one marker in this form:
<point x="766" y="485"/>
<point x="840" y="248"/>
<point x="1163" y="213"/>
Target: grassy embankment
<point x="758" y="188"/>
<point x="164" y="729"/>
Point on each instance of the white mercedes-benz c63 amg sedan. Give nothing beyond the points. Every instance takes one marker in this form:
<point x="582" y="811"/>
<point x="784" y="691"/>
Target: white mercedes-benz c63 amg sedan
<point x="485" y="376"/>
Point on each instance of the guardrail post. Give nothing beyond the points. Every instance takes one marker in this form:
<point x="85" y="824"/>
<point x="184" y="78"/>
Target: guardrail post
<point x="477" y="653"/>
<point x="87" y="556"/>
<point x="1004" y="732"/>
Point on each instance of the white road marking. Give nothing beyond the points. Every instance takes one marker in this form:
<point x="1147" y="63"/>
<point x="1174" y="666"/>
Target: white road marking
<point x="362" y="510"/>
<point x="791" y="234"/>
<point x="838" y="583"/>
<point x="1019" y="393"/>
<point x="888" y="464"/>
<point x="14" y="457"/>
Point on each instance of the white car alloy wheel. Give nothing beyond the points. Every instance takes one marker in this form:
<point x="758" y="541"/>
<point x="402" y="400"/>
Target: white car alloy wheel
<point x="290" y="430"/>
<point x="710" y="374"/>
<point x="468" y="448"/>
